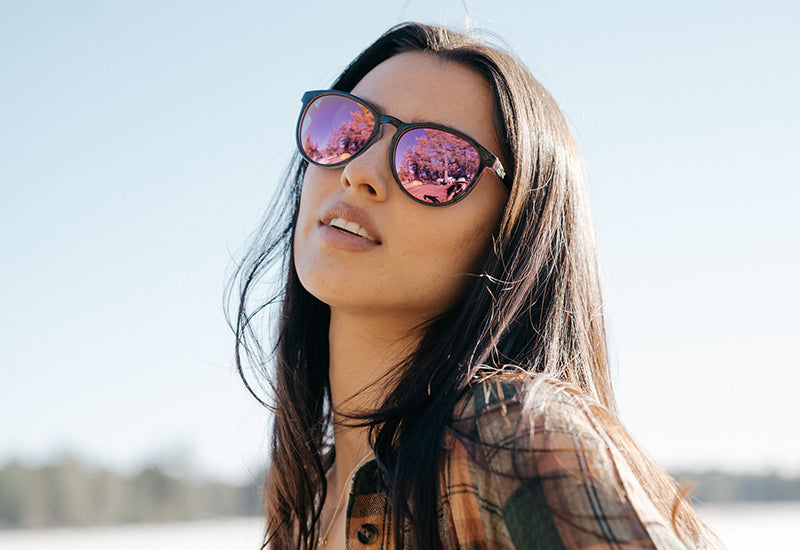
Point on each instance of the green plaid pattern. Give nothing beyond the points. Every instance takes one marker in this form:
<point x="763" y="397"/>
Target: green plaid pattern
<point x="523" y="467"/>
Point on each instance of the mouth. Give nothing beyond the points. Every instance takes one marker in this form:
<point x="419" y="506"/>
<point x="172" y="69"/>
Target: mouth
<point x="351" y="227"/>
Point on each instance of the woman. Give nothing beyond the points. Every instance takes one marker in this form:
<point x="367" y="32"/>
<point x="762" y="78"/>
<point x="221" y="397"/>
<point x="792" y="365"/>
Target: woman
<point x="441" y="376"/>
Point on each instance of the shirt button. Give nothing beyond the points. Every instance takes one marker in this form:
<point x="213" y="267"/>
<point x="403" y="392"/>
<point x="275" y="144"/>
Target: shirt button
<point x="367" y="533"/>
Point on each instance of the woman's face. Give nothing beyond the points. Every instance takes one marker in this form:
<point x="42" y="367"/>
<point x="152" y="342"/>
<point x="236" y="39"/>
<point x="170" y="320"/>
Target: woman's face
<point x="415" y="262"/>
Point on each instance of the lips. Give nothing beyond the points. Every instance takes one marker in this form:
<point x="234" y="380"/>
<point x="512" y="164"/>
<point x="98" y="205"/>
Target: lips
<point x="351" y="220"/>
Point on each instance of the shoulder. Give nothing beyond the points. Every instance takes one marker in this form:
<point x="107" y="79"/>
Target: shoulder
<point x="510" y="397"/>
<point x="528" y="413"/>
<point x="529" y="456"/>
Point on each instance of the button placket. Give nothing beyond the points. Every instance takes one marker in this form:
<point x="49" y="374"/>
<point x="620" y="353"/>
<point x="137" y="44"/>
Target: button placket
<point x="368" y="512"/>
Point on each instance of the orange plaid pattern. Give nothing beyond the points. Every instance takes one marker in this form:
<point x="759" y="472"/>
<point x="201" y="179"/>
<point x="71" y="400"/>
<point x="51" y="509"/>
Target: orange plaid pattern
<point x="523" y="467"/>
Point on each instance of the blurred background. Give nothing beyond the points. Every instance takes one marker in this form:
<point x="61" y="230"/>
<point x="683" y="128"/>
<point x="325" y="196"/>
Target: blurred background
<point x="142" y="141"/>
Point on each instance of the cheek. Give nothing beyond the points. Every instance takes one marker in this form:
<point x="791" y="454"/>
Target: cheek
<point x="468" y="249"/>
<point x="445" y="261"/>
<point x="305" y="257"/>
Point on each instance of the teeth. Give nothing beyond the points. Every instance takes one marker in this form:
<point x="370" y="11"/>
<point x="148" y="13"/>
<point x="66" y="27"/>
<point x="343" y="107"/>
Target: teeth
<point x="350" y="227"/>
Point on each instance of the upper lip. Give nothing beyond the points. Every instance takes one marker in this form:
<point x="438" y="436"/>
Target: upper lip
<point x="352" y="214"/>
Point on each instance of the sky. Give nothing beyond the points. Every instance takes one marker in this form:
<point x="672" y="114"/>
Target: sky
<point x="141" y="142"/>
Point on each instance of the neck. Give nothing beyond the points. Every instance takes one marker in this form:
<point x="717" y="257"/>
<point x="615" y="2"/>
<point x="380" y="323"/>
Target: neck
<point x="364" y="350"/>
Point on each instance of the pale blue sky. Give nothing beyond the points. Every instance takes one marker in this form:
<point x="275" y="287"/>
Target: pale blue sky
<point x="141" y="142"/>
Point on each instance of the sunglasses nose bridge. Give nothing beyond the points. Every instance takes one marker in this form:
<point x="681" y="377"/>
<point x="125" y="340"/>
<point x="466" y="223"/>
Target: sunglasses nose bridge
<point x="386" y="119"/>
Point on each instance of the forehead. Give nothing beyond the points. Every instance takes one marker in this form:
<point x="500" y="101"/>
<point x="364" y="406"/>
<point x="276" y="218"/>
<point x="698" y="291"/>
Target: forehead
<point x="420" y="87"/>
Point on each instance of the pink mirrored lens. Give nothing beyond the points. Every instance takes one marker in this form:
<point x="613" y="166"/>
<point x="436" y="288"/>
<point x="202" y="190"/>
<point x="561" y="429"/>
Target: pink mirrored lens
<point x="334" y="128"/>
<point x="435" y="166"/>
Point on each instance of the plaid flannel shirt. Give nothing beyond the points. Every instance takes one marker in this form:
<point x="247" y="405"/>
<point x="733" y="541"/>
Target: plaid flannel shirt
<point x="578" y="492"/>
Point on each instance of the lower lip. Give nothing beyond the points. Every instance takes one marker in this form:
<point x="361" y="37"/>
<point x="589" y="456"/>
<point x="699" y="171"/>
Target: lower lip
<point x="345" y="241"/>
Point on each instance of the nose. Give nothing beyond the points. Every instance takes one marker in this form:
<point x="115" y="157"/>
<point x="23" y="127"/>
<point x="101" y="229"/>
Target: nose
<point x="370" y="171"/>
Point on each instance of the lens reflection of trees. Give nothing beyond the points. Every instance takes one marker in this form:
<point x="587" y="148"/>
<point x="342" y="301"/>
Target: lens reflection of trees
<point x="436" y="157"/>
<point x="311" y="148"/>
<point x="347" y="138"/>
<point x="430" y="155"/>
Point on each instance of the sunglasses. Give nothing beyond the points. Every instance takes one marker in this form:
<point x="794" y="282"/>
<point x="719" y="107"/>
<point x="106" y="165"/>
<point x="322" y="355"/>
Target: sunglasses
<point x="433" y="164"/>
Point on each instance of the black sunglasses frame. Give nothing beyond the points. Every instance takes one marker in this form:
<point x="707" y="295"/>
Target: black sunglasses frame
<point x="488" y="161"/>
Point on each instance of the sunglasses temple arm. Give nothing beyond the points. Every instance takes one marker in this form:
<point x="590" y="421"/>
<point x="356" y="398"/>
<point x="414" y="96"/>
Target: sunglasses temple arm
<point x="498" y="169"/>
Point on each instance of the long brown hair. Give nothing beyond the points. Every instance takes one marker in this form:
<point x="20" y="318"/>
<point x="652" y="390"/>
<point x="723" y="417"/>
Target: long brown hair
<point x="536" y="305"/>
